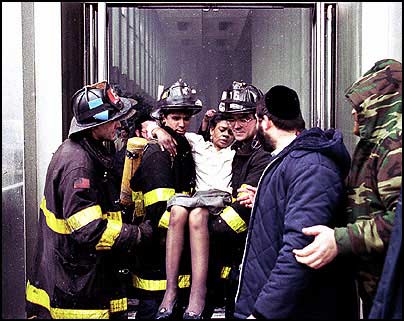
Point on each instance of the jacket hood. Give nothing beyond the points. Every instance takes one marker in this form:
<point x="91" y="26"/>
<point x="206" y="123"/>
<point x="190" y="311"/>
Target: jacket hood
<point x="376" y="97"/>
<point x="329" y="143"/>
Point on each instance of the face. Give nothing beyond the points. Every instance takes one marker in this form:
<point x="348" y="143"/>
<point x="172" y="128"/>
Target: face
<point x="106" y="131"/>
<point x="222" y="135"/>
<point x="178" y="121"/>
<point x="143" y="132"/>
<point x="356" y="123"/>
<point x="264" y="138"/>
<point x="243" y="126"/>
<point x="124" y="134"/>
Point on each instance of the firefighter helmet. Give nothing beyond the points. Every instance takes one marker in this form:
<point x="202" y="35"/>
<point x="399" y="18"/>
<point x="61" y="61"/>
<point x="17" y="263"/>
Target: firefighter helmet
<point x="97" y="104"/>
<point x="240" y="98"/>
<point x="178" y="97"/>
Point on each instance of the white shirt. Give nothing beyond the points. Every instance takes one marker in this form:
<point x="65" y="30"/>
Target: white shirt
<point x="213" y="167"/>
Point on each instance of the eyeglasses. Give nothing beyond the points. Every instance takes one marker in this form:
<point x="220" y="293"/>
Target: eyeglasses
<point x="242" y="121"/>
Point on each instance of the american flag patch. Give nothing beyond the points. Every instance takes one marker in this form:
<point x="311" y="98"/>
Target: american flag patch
<point x="81" y="183"/>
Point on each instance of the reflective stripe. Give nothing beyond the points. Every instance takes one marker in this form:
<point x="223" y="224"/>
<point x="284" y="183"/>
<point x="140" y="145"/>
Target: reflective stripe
<point x="137" y="198"/>
<point x="109" y="236"/>
<point x="116" y="216"/>
<point x="40" y="297"/>
<point x="159" y="285"/>
<point x="231" y="217"/>
<point x="58" y="313"/>
<point x="242" y="193"/>
<point x="225" y="272"/>
<point x="118" y="305"/>
<point x="158" y="195"/>
<point x="82" y="218"/>
<point x="37" y="296"/>
<point x="164" y="220"/>
<point x="73" y="223"/>
<point x="57" y="225"/>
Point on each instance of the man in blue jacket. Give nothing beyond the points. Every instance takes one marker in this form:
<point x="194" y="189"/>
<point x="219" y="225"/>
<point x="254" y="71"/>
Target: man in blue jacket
<point x="302" y="186"/>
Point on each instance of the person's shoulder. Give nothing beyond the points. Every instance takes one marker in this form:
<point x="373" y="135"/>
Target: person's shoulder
<point x="194" y="138"/>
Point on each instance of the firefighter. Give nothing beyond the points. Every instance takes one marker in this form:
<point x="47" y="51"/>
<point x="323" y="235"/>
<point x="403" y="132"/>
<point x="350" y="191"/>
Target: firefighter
<point x="83" y="235"/>
<point x="162" y="174"/>
<point x="228" y="230"/>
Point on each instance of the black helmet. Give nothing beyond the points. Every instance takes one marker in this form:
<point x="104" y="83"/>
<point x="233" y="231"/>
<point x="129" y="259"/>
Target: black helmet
<point x="240" y="98"/>
<point x="178" y="97"/>
<point x="97" y="104"/>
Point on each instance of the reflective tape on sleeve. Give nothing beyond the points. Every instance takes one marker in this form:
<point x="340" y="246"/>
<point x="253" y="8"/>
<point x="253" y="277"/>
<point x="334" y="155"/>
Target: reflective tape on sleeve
<point x="231" y="217"/>
<point x="158" y="195"/>
<point x="109" y="236"/>
<point x="73" y="223"/>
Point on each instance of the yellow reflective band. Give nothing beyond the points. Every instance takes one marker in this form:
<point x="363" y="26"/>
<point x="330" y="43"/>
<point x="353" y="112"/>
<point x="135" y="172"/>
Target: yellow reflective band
<point x="85" y="216"/>
<point x="137" y="196"/>
<point x="118" y="305"/>
<point x="230" y="216"/>
<point x="73" y="223"/>
<point x="158" y="195"/>
<point x="109" y="236"/>
<point x="55" y="224"/>
<point x="165" y="220"/>
<point x="37" y="296"/>
<point x="159" y="285"/>
<point x="40" y="297"/>
<point x="225" y="272"/>
<point x="116" y="216"/>
<point x="242" y="193"/>
<point x="58" y="313"/>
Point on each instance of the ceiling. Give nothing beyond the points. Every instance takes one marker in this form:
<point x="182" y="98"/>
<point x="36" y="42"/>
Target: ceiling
<point x="218" y="28"/>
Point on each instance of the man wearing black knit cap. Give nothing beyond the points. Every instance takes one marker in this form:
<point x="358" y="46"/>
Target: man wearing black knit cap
<point x="301" y="186"/>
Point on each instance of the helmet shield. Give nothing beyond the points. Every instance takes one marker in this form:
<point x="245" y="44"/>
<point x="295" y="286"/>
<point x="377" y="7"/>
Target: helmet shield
<point x="239" y="98"/>
<point x="178" y="97"/>
<point x="98" y="104"/>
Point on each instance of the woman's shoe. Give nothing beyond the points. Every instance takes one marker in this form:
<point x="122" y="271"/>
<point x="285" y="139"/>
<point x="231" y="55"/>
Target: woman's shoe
<point x="192" y="316"/>
<point x="164" y="313"/>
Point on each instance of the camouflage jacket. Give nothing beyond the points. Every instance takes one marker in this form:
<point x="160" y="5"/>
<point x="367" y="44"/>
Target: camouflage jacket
<point x="375" y="177"/>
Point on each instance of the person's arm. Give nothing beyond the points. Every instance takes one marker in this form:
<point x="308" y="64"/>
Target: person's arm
<point x="85" y="217"/>
<point x="237" y="215"/>
<point x="165" y="140"/>
<point x="370" y="234"/>
<point x="204" y="128"/>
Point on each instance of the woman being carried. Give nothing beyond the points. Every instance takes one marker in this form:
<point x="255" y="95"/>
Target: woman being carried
<point x="213" y="162"/>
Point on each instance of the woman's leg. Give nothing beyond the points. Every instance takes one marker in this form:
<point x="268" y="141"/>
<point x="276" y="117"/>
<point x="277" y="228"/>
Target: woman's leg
<point x="174" y="246"/>
<point x="199" y="241"/>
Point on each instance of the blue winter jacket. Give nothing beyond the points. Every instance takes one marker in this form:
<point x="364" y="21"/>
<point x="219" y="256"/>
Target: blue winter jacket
<point x="302" y="186"/>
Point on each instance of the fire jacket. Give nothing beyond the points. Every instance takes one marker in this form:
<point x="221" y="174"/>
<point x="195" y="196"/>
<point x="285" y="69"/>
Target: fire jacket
<point x="159" y="177"/>
<point x="81" y="237"/>
<point x="230" y="226"/>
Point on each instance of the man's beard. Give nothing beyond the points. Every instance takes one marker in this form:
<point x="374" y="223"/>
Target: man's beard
<point x="266" y="142"/>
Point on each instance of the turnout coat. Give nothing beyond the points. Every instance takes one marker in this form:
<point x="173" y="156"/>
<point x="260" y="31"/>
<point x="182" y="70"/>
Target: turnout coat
<point x="82" y="237"/>
<point x="157" y="179"/>
<point x="302" y="186"/>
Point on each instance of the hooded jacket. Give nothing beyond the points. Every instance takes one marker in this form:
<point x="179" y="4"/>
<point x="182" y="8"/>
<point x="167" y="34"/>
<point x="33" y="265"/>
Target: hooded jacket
<point x="375" y="177"/>
<point x="302" y="186"/>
